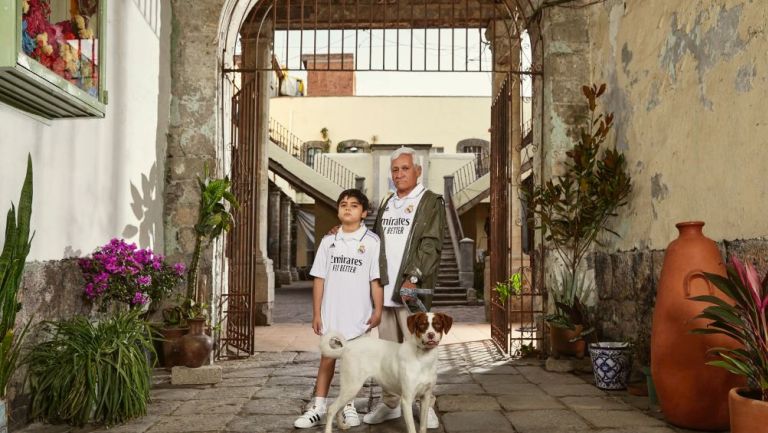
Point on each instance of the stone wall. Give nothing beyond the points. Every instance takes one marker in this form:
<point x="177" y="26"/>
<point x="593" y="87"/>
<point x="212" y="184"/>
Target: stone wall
<point x="192" y="130"/>
<point x="50" y="290"/>
<point x="627" y="282"/>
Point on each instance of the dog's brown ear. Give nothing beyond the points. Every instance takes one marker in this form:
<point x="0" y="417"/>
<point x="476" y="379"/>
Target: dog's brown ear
<point x="447" y="321"/>
<point x="412" y="320"/>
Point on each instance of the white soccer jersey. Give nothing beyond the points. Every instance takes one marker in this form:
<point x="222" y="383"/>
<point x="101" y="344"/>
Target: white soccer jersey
<point x="395" y="228"/>
<point x="348" y="262"/>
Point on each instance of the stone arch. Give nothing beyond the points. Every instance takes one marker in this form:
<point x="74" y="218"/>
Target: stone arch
<point x="478" y="146"/>
<point x="233" y="15"/>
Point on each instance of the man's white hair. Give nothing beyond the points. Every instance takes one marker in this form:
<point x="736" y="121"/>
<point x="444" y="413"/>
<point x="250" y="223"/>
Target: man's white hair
<point x="405" y="151"/>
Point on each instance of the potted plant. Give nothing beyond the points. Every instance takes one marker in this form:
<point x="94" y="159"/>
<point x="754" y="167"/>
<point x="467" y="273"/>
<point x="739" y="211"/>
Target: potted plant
<point x="574" y="208"/>
<point x="121" y="273"/>
<point x="91" y="372"/>
<point x="570" y="324"/>
<point x="744" y="320"/>
<point x="214" y="218"/>
<point x="16" y="246"/>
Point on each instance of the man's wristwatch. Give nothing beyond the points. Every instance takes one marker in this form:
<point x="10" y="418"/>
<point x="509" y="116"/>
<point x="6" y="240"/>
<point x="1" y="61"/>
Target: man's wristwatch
<point x="413" y="279"/>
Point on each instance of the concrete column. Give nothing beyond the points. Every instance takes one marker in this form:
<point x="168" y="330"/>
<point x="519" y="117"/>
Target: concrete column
<point x="467" y="268"/>
<point x="360" y="184"/>
<point x="273" y="241"/>
<point x="284" y="269"/>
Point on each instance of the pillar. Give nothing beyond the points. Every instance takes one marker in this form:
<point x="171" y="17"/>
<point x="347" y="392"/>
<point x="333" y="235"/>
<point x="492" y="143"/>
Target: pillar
<point x="284" y="269"/>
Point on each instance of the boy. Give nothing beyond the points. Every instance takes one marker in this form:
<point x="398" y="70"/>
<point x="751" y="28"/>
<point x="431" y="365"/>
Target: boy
<point x="346" y="271"/>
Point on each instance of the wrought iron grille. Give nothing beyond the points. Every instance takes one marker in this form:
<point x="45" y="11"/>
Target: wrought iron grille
<point x="470" y="172"/>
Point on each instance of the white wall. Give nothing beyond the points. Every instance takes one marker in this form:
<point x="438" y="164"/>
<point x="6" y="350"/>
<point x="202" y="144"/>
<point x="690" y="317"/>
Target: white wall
<point x="439" y="121"/>
<point x="99" y="178"/>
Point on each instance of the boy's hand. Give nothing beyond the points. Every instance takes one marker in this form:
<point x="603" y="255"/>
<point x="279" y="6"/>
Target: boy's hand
<point x="317" y="325"/>
<point x="334" y="230"/>
<point x="374" y="320"/>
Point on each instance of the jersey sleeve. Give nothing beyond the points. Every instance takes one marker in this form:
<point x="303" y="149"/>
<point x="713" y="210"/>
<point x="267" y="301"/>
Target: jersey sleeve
<point x="320" y="264"/>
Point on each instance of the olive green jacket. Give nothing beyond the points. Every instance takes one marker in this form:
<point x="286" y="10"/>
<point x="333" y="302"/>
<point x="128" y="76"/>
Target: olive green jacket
<point x="422" y="249"/>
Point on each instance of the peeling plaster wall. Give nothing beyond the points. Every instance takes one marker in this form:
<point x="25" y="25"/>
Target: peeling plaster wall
<point x="687" y="82"/>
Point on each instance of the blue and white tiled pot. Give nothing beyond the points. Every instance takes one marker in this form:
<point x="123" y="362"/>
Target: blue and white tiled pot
<point x="611" y="364"/>
<point x="3" y="417"/>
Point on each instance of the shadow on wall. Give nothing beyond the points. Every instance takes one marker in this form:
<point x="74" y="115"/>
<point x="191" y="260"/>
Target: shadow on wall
<point x="147" y="207"/>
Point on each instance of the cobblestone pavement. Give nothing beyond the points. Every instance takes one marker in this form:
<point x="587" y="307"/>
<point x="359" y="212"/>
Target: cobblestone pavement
<point x="478" y="391"/>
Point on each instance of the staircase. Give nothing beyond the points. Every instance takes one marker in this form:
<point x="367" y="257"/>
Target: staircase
<point x="320" y="177"/>
<point x="448" y="290"/>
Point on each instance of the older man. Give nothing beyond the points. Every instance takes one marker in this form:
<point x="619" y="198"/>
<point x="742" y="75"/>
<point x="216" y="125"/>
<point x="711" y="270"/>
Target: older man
<point x="410" y="223"/>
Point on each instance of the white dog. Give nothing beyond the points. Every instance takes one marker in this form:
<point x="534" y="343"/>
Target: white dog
<point x="408" y="370"/>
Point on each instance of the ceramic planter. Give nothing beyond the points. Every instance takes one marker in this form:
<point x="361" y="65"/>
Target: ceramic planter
<point x="692" y="394"/>
<point x="193" y="349"/>
<point x="3" y="416"/>
<point x="611" y="364"/>
<point x="748" y="415"/>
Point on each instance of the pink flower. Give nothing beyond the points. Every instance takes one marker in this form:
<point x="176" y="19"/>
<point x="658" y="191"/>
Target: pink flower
<point x="144" y="280"/>
<point x="179" y="268"/>
<point x="139" y="298"/>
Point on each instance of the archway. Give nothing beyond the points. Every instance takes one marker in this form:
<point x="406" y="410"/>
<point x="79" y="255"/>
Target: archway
<point x="248" y="29"/>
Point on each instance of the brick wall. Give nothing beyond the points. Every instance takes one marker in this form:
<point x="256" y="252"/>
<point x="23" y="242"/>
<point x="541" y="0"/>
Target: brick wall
<point x="330" y="83"/>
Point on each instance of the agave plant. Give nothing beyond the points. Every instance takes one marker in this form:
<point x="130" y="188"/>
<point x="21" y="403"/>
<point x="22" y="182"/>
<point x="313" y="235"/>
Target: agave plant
<point x="14" y="255"/>
<point x="214" y="218"/>
<point x="744" y="321"/>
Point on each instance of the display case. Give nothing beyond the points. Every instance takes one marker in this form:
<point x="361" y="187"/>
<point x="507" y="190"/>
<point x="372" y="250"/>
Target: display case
<point x="52" y="57"/>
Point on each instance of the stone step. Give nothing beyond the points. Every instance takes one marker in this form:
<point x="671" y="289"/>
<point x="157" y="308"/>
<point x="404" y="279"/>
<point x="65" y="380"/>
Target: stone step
<point x="451" y="303"/>
<point x="443" y="283"/>
<point x="443" y="291"/>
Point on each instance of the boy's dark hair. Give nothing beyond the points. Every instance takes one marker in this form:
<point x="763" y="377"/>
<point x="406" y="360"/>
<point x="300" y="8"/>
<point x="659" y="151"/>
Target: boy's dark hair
<point x="356" y="194"/>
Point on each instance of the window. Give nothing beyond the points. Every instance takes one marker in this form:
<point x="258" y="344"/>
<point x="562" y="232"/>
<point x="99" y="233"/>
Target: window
<point x="481" y="149"/>
<point x="353" y="146"/>
<point x="51" y="59"/>
<point x="312" y="148"/>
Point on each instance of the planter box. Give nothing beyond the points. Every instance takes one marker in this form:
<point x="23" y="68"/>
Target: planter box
<point x="32" y="87"/>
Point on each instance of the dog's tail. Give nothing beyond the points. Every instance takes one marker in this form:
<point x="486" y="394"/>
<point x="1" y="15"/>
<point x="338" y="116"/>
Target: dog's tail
<point x="332" y="345"/>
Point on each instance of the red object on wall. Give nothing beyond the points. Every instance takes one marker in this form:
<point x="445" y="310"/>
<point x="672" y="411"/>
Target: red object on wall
<point x="692" y="394"/>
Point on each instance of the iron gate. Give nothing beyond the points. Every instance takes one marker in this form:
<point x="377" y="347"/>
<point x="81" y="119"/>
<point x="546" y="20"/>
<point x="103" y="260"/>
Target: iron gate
<point x="456" y="30"/>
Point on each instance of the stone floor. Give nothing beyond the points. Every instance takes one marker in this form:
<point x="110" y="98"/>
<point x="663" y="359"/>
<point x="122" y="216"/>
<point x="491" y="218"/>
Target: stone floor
<point x="478" y="390"/>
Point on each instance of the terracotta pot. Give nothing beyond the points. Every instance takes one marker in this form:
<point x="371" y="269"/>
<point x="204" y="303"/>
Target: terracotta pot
<point x="560" y="340"/>
<point x="748" y="415"/>
<point x="692" y="394"/>
<point x="193" y="349"/>
<point x="170" y="338"/>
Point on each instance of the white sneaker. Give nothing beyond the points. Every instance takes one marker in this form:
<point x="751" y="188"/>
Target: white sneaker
<point x="349" y="413"/>
<point x="432" y="421"/>
<point x="312" y="417"/>
<point x="381" y="412"/>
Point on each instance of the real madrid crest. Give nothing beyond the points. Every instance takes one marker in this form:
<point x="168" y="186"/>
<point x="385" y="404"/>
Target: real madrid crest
<point x="361" y="249"/>
<point x="409" y="209"/>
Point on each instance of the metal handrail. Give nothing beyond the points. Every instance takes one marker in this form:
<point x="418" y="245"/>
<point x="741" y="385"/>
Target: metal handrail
<point x="471" y="172"/>
<point x="322" y="164"/>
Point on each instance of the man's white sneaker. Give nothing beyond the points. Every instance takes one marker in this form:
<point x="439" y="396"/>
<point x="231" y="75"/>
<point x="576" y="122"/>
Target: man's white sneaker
<point x="432" y="421"/>
<point x="312" y="417"/>
<point x="381" y="412"/>
<point x="351" y="418"/>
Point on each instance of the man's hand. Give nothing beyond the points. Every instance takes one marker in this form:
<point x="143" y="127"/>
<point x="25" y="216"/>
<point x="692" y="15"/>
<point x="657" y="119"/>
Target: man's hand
<point x="408" y="285"/>
<point x="317" y="325"/>
<point x="374" y="320"/>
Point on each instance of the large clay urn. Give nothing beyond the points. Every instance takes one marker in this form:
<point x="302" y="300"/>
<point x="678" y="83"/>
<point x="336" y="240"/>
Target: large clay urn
<point x="692" y="394"/>
<point x="193" y="349"/>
